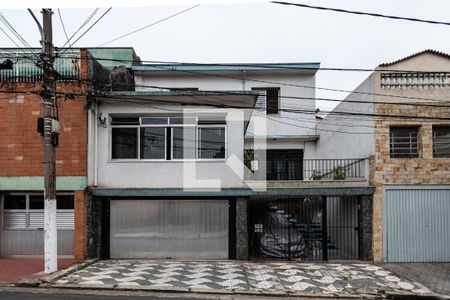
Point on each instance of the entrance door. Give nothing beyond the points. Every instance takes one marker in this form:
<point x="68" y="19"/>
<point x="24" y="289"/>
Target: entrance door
<point x="169" y="229"/>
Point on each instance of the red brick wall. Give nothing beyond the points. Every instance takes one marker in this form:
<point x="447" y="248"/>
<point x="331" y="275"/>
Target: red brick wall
<point x="79" y="236"/>
<point x="21" y="150"/>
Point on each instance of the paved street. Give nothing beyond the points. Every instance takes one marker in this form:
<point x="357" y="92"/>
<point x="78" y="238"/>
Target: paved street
<point x="230" y="276"/>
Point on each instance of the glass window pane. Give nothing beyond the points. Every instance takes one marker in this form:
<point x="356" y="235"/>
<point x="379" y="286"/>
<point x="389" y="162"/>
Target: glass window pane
<point x="125" y="121"/>
<point x="36" y="202"/>
<point x="183" y="142"/>
<point x="124" y="143"/>
<point x="211" y="142"/>
<point x="64" y="202"/>
<point x="154" y="121"/>
<point x="153" y="143"/>
<point x="182" y="120"/>
<point x="14" y="202"/>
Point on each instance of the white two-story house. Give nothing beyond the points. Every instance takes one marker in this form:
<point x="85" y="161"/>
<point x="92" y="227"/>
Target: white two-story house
<point x="218" y="161"/>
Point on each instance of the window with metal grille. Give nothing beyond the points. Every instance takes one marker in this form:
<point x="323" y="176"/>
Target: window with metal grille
<point x="441" y="141"/>
<point x="26" y="211"/>
<point x="268" y="100"/>
<point x="403" y="142"/>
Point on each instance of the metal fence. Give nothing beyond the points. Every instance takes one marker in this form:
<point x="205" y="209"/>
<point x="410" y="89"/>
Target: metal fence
<point x="307" y="228"/>
<point x="25" y="68"/>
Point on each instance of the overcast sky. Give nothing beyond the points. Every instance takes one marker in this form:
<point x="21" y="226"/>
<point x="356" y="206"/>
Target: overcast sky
<point x="261" y="32"/>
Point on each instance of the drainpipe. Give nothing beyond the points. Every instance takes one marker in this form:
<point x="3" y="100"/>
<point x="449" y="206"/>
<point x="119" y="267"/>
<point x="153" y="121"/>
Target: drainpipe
<point x="244" y="78"/>
<point x="96" y="144"/>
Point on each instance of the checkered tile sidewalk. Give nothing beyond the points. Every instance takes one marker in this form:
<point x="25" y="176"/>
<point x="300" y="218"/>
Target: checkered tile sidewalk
<point x="283" y="277"/>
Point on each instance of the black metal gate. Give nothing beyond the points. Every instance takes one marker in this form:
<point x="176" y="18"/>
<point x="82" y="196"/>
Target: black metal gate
<point x="308" y="228"/>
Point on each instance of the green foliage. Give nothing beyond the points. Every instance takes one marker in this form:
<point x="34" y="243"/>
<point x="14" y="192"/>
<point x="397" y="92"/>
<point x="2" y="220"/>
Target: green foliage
<point x="316" y="175"/>
<point x="339" y="173"/>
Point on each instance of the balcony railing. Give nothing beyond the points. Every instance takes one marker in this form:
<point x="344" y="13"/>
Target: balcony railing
<point x="312" y="170"/>
<point x="334" y="169"/>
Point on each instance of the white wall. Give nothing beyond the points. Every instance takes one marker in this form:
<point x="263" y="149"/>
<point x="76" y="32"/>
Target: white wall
<point x="345" y="136"/>
<point x="285" y="123"/>
<point x="170" y="174"/>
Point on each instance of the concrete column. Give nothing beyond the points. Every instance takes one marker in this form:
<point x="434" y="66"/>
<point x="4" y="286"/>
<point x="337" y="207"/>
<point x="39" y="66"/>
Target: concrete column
<point x="241" y="229"/>
<point x="365" y="228"/>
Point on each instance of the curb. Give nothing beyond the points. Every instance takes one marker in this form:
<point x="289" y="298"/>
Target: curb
<point x="406" y="295"/>
<point x="47" y="280"/>
<point x="265" y="293"/>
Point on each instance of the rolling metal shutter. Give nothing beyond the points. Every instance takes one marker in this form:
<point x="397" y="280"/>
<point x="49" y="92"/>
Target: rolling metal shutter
<point x="416" y="223"/>
<point x="169" y="229"/>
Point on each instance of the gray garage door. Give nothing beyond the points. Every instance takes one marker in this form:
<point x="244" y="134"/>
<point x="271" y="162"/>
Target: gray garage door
<point x="169" y="229"/>
<point x="417" y="224"/>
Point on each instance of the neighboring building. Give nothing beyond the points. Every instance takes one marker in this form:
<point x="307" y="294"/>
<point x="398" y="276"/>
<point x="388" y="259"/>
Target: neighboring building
<point x="219" y="161"/>
<point x="410" y="166"/>
<point x="21" y="150"/>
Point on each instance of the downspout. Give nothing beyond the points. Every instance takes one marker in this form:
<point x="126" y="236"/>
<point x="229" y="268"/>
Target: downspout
<point x="244" y="78"/>
<point x="96" y="144"/>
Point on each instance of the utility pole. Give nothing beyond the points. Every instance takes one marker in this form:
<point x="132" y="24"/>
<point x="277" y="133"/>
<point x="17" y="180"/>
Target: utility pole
<point x="51" y="129"/>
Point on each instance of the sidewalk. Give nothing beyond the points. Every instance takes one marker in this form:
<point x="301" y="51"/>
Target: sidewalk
<point x="15" y="270"/>
<point x="276" y="278"/>
<point x="435" y="276"/>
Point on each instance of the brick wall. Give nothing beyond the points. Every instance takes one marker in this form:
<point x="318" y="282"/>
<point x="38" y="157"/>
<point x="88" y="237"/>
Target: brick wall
<point x="21" y="145"/>
<point x="21" y="148"/>
<point x="422" y="170"/>
<point x="79" y="232"/>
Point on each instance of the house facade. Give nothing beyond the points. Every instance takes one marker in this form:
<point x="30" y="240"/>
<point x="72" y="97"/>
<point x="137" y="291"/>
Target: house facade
<point x="21" y="151"/>
<point x="219" y="161"/>
<point x="401" y="119"/>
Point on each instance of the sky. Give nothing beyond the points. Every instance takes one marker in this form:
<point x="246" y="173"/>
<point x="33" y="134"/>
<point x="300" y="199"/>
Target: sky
<point x="253" y="31"/>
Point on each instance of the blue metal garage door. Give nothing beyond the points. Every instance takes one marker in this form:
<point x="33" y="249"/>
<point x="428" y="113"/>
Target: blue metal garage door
<point x="416" y="223"/>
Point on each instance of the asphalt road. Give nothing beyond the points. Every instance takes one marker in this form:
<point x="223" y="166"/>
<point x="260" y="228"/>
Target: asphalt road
<point x="12" y="293"/>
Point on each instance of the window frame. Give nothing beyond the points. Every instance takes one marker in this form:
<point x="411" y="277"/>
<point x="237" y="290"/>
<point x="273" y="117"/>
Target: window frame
<point x="391" y="142"/>
<point x="27" y="210"/>
<point x="225" y="141"/>
<point x="266" y="89"/>
<point x="168" y="127"/>
<point x="434" y="127"/>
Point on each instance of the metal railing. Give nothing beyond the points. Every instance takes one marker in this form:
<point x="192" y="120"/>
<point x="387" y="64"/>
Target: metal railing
<point x="334" y="169"/>
<point x="311" y="169"/>
<point x="25" y="69"/>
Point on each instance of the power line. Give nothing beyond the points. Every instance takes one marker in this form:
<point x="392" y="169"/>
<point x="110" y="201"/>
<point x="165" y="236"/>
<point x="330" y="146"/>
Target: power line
<point x="64" y="27"/>
<point x="360" y="101"/>
<point x="167" y="68"/>
<point x="13" y="30"/>
<point x="346" y="113"/>
<point x="7" y="35"/>
<point x="90" y="27"/>
<point x="146" y="105"/>
<point x="363" y="13"/>
<point x="446" y="104"/>
<point x="88" y="19"/>
<point x="147" y="26"/>
<point x="260" y="65"/>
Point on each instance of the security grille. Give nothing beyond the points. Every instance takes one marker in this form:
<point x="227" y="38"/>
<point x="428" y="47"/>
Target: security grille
<point x="403" y="142"/>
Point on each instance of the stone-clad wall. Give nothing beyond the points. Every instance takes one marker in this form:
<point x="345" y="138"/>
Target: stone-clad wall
<point x="422" y="170"/>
